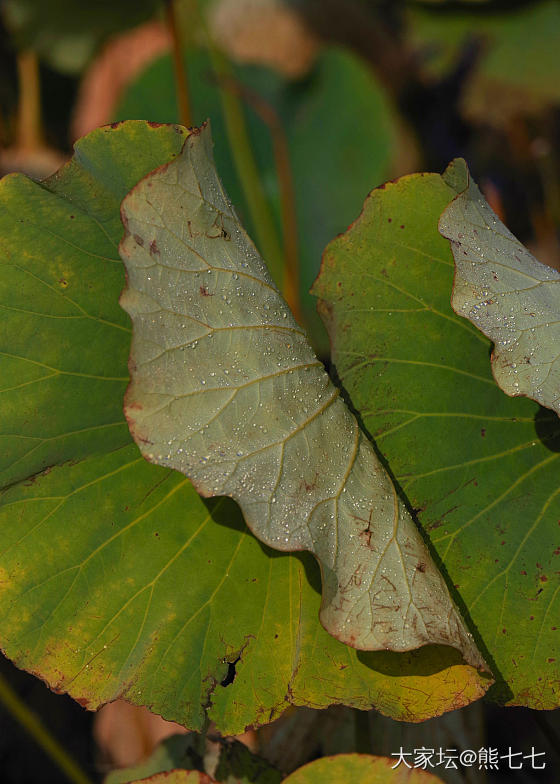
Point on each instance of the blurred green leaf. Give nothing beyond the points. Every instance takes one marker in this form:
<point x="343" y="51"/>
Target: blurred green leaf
<point x="226" y="761"/>
<point x="66" y="33"/>
<point x="339" y="102"/>
<point x="518" y="70"/>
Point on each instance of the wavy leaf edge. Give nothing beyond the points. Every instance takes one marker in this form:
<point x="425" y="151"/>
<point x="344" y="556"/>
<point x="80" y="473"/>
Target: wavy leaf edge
<point x="432" y="616"/>
<point x="523" y="323"/>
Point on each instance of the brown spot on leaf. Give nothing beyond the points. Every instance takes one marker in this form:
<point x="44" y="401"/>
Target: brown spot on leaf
<point x="139" y="240"/>
<point x="154" y="250"/>
<point x="365" y="536"/>
<point x="33" y="478"/>
<point x="308" y="487"/>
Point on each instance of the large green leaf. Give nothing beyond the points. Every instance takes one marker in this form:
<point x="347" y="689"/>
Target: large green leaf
<point x="331" y="179"/>
<point x="505" y="292"/>
<point x="478" y="467"/>
<point x="116" y="578"/>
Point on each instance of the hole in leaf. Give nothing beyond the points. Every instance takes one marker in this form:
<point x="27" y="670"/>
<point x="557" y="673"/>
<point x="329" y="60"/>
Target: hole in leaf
<point x="231" y="673"/>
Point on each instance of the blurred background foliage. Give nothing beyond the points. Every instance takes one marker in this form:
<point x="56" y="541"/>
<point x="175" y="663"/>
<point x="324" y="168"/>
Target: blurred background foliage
<point x="327" y="98"/>
<point x="313" y="103"/>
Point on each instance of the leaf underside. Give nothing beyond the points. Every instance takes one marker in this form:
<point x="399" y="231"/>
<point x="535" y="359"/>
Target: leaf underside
<point x="509" y="295"/>
<point x="226" y="389"/>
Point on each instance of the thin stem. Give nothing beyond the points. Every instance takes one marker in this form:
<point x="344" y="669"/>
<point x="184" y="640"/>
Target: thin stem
<point x="33" y="725"/>
<point x="263" y="222"/>
<point x="3" y="132"/>
<point x="362" y="731"/>
<point x="181" y="84"/>
<point x="29" y="126"/>
<point x="520" y="141"/>
<point x="290" y="272"/>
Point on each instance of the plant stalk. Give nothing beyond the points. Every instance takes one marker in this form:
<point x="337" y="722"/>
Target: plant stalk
<point x="290" y="271"/>
<point x="29" y="134"/>
<point x="40" y="734"/>
<point x="181" y="84"/>
<point x="240" y="145"/>
<point x="362" y="731"/>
